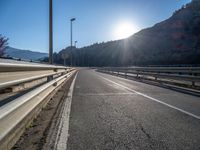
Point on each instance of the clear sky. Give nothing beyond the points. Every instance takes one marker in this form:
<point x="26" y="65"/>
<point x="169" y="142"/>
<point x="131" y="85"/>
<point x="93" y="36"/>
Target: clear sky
<point x="25" y="22"/>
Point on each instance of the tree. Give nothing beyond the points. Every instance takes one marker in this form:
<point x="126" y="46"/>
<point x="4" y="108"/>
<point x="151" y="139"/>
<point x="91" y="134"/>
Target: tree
<point x="3" y="45"/>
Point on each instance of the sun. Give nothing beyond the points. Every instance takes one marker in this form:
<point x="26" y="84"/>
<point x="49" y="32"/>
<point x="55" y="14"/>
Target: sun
<point x="124" y="30"/>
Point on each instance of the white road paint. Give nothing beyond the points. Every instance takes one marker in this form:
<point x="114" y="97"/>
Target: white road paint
<point x="153" y="99"/>
<point x="62" y="134"/>
<point x="103" y="94"/>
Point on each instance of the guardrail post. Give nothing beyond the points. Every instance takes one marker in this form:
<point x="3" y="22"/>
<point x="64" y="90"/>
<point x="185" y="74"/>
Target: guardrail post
<point x="193" y="83"/>
<point x="125" y="74"/>
<point x="49" y="78"/>
<point x="62" y="73"/>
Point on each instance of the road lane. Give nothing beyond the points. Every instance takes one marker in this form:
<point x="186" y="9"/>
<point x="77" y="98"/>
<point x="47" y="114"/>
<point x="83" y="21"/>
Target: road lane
<point x="183" y="101"/>
<point x="154" y="99"/>
<point x="107" y="116"/>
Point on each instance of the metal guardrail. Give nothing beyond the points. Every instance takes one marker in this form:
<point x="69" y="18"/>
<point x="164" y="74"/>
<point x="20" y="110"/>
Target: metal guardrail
<point x="15" y="115"/>
<point x="186" y="70"/>
<point x="11" y="70"/>
<point x="11" y="67"/>
<point x="191" y="74"/>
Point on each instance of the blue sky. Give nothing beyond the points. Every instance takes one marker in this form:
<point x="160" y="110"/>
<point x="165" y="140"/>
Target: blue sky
<point x="25" y="22"/>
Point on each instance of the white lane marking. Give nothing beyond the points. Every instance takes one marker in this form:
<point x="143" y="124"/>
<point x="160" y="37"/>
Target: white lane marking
<point x="62" y="135"/>
<point x="153" y="99"/>
<point x="103" y="94"/>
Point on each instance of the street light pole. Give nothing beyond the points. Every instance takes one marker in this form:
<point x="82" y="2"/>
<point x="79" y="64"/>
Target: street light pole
<point x="75" y="42"/>
<point x="71" y="28"/>
<point x="50" y="32"/>
<point x="76" y="60"/>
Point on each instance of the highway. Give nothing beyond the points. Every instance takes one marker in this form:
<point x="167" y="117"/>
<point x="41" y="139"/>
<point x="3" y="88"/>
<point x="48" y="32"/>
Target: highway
<point x="113" y="113"/>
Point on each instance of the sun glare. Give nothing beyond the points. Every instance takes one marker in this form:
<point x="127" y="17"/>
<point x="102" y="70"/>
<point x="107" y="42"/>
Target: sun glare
<point x="125" y="30"/>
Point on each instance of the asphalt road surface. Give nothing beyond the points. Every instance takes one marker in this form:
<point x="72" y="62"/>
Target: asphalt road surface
<point x="112" y="113"/>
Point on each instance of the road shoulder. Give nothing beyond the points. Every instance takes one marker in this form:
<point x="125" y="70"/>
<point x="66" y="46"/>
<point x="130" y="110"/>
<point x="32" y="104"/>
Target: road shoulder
<point x="35" y="135"/>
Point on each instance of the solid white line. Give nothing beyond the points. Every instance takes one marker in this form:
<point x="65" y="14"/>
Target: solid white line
<point x="62" y="134"/>
<point x="104" y="94"/>
<point x="153" y="99"/>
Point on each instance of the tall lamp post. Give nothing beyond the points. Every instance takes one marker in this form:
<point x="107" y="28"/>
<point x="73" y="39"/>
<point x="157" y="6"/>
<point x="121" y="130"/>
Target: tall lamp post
<point x="71" y="28"/>
<point x="50" y="32"/>
<point x="75" y="42"/>
<point x="76" y="60"/>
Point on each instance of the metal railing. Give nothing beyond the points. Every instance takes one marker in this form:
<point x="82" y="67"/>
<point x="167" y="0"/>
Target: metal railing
<point x="13" y="67"/>
<point x="189" y="74"/>
<point x="16" y="114"/>
<point x="8" y="70"/>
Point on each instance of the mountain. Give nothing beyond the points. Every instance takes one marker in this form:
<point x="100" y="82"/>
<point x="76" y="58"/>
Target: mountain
<point x="173" y="41"/>
<point x="24" y="54"/>
<point x="170" y="42"/>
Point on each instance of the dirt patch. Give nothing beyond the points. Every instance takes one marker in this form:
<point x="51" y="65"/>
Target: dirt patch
<point x="36" y="133"/>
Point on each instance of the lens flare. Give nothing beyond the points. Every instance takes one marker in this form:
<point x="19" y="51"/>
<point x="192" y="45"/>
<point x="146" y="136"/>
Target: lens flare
<point x="124" y="30"/>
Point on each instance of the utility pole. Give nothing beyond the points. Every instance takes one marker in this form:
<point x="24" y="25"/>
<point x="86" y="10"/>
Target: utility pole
<point x="50" y="32"/>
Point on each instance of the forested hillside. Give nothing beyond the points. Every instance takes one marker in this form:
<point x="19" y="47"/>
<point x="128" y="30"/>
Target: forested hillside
<point x="173" y="41"/>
